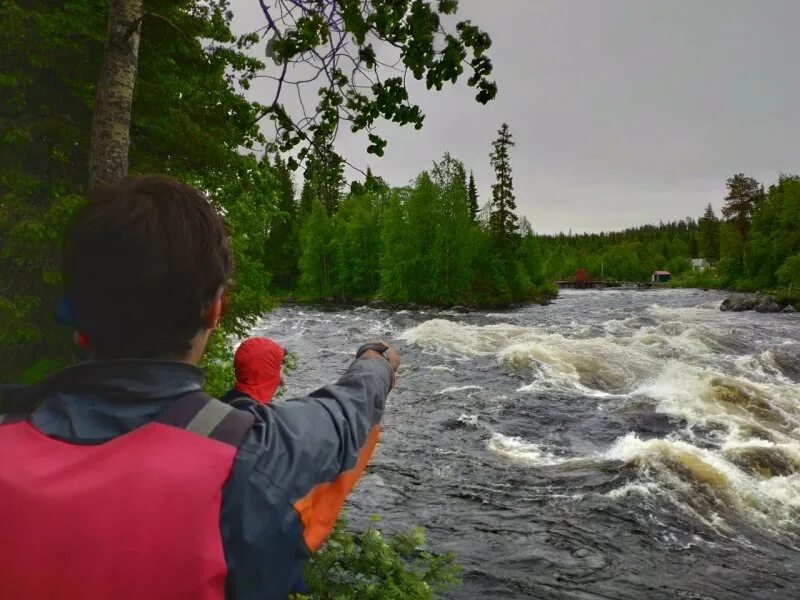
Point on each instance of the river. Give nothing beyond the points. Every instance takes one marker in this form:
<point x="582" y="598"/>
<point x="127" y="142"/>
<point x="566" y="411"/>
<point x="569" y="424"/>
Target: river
<point x="615" y="444"/>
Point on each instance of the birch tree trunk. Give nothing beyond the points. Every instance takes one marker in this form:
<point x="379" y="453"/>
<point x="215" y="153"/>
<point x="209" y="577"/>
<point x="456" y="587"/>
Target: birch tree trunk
<point x="111" y="119"/>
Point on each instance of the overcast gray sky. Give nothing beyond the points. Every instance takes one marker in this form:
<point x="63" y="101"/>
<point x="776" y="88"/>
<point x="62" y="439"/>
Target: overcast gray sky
<point x="624" y="112"/>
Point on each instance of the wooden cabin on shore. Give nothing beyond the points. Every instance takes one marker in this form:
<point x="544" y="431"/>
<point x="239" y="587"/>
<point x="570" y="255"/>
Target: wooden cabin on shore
<point x="660" y="277"/>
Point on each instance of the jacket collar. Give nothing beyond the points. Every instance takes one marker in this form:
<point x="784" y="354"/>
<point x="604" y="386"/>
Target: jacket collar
<point x="97" y="401"/>
<point x="125" y="380"/>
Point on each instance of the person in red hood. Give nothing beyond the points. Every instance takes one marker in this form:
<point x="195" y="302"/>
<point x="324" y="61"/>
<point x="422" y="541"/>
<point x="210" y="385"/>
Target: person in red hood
<point x="258" y="364"/>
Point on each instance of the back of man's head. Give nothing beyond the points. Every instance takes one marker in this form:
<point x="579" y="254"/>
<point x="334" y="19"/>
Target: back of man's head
<point x="143" y="262"/>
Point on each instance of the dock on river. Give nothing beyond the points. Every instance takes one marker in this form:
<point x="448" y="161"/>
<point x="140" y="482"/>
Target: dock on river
<point x="588" y="284"/>
<point x="581" y="282"/>
<point x="599" y="284"/>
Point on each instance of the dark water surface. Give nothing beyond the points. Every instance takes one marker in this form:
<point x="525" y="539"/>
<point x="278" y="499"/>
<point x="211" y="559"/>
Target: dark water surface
<point x="616" y="444"/>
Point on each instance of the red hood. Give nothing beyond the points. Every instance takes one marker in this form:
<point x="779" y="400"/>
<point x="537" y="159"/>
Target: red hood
<point x="258" y="368"/>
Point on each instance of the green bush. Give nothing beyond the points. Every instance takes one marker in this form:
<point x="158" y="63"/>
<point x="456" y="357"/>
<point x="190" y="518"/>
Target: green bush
<point x="707" y="278"/>
<point x="217" y="365"/>
<point x="368" y="566"/>
<point x="788" y="273"/>
<point x="547" y="290"/>
<point x="788" y="296"/>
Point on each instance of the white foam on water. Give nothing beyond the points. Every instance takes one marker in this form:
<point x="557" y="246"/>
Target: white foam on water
<point x="638" y="488"/>
<point x="440" y="368"/>
<point x="522" y="451"/>
<point x="460" y="339"/>
<point x="683" y="467"/>
<point x="678" y="365"/>
<point x="339" y="352"/>
<point x="597" y="364"/>
<point x="463" y="388"/>
<point x="741" y="440"/>
<point x="591" y="363"/>
<point x="703" y="396"/>
<point x="468" y="420"/>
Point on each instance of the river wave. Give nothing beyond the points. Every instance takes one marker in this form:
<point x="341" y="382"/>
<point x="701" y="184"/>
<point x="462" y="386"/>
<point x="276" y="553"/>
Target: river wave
<point x="615" y="444"/>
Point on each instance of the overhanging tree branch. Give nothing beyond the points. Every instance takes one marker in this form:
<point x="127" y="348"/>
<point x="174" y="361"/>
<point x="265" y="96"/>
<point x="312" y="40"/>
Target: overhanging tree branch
<point x="319" y="36"/>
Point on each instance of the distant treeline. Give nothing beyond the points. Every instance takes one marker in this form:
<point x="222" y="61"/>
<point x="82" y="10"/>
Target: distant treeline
<point x="431" y="243"/>
<point x="753" y="245"/>
<point x="425" y="243"/>
<point x="629" y="255"/>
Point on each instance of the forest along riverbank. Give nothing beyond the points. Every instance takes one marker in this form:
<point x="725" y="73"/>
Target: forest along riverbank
<point x="615" y="444"/>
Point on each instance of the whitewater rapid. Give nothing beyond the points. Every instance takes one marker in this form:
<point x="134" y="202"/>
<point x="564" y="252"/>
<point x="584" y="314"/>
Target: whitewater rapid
<point x="739" y="414"/>
<point x="594" y="448"/>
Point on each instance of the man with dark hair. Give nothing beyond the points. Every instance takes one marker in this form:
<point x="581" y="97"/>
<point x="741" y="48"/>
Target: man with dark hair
<point x="145" y="266"/>
<point x="128" y="482"/>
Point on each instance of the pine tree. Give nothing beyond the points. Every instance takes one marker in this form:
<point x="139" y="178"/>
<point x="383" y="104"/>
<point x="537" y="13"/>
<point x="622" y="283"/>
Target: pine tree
<point x="503" y="220"/>
<point x="472" y="194"/>
<point x="325" y="174"/>
<point x="282" y="243"/>
<point x="708" y="234"/>
<point x="356" y="188"/>
<point x="306" y="198"/>
<point x="371" y="183"/>
<point x="744" y="195"/>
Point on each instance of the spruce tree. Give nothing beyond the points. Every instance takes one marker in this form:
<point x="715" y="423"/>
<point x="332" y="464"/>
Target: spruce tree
<point x="330" y="180"/>
<point x="324" y="180"/>
<point x="472" y="195"/>
<point x="283" y="242"/>
<point x="744" y="195"/>
<point x="708" y="234"/>
<point x="503" y="220"/>
<point x="306" y="198"/>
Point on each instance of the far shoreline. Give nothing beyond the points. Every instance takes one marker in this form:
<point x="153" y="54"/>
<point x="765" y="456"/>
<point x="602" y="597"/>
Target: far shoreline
<point x="461" y="308"/>
<point x="336" y="304"/>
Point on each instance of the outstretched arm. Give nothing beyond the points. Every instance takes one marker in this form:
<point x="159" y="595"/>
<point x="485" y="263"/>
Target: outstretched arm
<point x="318" y="446"/>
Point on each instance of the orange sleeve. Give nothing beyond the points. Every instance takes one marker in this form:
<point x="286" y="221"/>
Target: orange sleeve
<point x="319" y="508"/>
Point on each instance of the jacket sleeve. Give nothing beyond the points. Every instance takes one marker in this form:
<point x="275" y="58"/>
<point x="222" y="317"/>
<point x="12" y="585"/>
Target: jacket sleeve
<point x="318" y="446"/>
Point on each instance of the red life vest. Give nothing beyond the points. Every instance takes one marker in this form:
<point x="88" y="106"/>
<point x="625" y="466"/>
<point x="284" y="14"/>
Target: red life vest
<point x="134" y="518"/>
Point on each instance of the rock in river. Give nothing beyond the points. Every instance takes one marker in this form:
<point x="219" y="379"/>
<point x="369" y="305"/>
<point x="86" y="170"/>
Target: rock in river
<point x="757" y="302"/>
<point x="768" y="304"/>
<point x="740" y="302"/>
